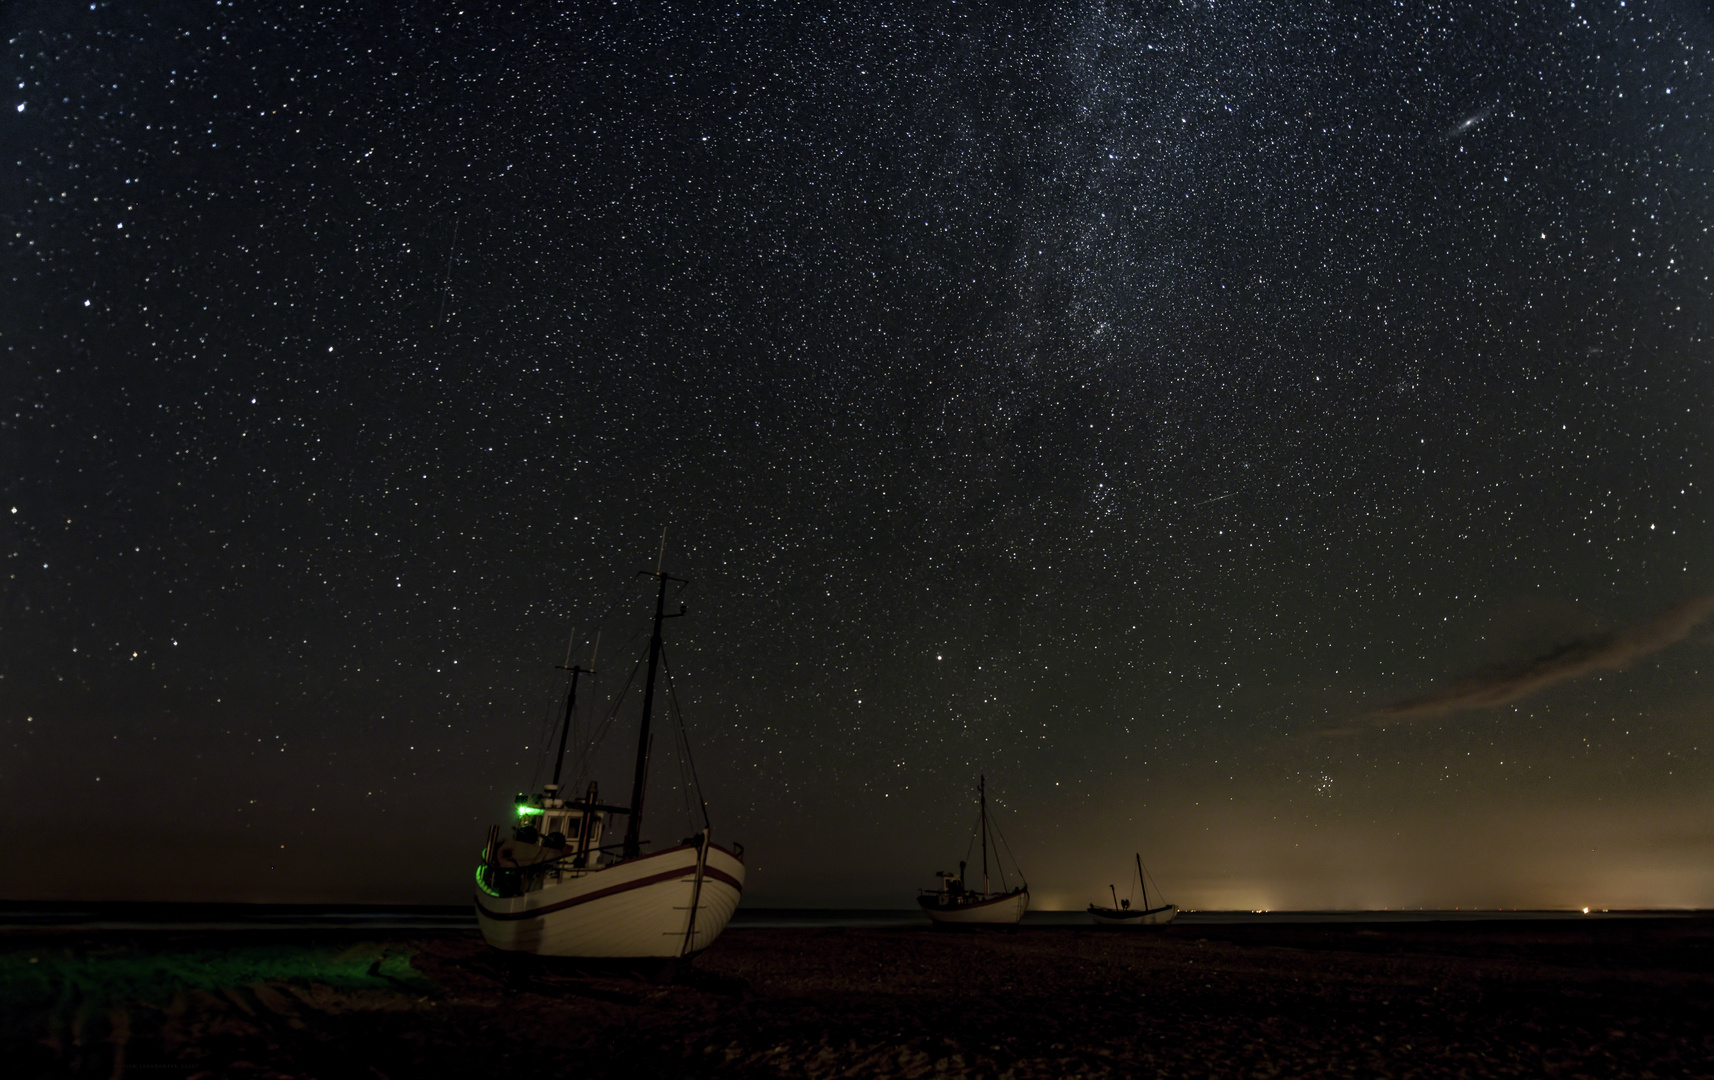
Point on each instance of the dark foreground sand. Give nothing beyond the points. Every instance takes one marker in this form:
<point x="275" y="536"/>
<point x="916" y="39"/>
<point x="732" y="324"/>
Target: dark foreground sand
<point x="1606" y="998"/>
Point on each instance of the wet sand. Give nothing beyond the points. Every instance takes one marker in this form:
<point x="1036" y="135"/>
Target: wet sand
<point x="1599" y="998"/>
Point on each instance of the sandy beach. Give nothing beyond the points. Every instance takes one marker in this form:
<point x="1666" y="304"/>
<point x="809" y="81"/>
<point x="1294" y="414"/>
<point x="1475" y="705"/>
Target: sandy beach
<point x="1596" y="998"/>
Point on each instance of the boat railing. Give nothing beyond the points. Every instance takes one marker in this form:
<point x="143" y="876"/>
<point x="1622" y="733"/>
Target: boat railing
<point x="589" y="856"/>
<point x="498" y="879"/>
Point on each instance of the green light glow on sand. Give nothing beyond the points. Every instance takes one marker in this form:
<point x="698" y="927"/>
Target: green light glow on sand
<point x="33" y="975"/>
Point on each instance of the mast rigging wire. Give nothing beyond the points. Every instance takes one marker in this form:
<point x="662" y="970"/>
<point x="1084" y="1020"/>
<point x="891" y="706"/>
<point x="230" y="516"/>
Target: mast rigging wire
<point x="686" y="761"/>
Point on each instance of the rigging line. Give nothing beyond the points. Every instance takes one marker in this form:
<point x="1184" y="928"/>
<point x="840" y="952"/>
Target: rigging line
<point x="684" y="740"/>
<point x="543" y="739"/>
<point x="601" y="730"/>
<point x="615" y="597"/>
<point x="971" y="846"/>
<point x="685" y="781"/>
<point x="572" y="734"/>
<point x="680" y="745"/>
<point x="589" y="707"/>
<point x="686" y="776"/>
<point x="1152" y="878"/>
<point x="1021" y="875"/>
<point x="999" y="863"/>
<point x="544" y="742"/>
<point x="586" y="757"/>
<point x="639" y="640"/>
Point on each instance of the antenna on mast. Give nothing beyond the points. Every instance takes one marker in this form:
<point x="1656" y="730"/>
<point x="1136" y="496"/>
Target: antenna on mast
<point x="570" y="707"/>
<point x="661" y="559"/>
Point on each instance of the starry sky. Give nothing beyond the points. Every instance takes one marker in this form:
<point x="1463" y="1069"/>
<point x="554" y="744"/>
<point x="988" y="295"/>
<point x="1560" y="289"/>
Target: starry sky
<point x="1270" y="437"/>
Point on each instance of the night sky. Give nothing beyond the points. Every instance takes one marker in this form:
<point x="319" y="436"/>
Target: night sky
<point x="1271" y="437"/>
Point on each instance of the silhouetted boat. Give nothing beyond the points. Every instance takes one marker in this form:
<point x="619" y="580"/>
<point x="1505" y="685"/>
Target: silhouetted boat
<point x="953" y="903"/>
<point x="556" y="889"/>
<point x="1122" y="914"/>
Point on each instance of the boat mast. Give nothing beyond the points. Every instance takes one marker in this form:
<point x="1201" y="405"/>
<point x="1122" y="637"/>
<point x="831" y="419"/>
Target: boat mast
<point x="982" y="794"/>
<point x="1143" y="880"/>
<point x="633" y="831"/>
<point x="565" y="726"/>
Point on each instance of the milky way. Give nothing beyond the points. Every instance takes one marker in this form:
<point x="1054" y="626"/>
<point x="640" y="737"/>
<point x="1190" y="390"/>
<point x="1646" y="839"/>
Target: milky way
<point x="1110" y="399"/>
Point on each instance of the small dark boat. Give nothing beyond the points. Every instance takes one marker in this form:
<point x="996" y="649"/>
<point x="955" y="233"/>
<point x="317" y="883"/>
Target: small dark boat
<point x="953" y="903"/>
<point x="1122" y="914"/>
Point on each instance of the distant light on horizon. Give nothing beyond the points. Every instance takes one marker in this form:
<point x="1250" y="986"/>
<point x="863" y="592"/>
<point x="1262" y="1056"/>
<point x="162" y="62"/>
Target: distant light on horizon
<point x="1319" y="567"/>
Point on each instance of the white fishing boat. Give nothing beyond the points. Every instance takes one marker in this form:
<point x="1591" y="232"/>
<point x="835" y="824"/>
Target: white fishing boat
<point x="953" y="903"/>
<point x="1122" y="914"/>
<point x="557" y="887"/>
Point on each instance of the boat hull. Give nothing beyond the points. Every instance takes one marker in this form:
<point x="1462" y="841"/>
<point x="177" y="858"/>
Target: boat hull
<point x="1124" y="919"/>
<point x="1001" y="910"/>
<point x="637" y="908"/>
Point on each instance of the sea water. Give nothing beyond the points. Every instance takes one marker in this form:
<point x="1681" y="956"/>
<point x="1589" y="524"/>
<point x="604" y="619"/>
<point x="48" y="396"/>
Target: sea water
<point x="125" y="916"/>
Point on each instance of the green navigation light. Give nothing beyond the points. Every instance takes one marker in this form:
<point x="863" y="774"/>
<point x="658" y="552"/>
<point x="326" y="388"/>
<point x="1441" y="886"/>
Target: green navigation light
<point x="529" y="811"/>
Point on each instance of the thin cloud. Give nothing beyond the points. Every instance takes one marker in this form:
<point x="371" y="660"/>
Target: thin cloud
<point x="1603" y="652"/>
